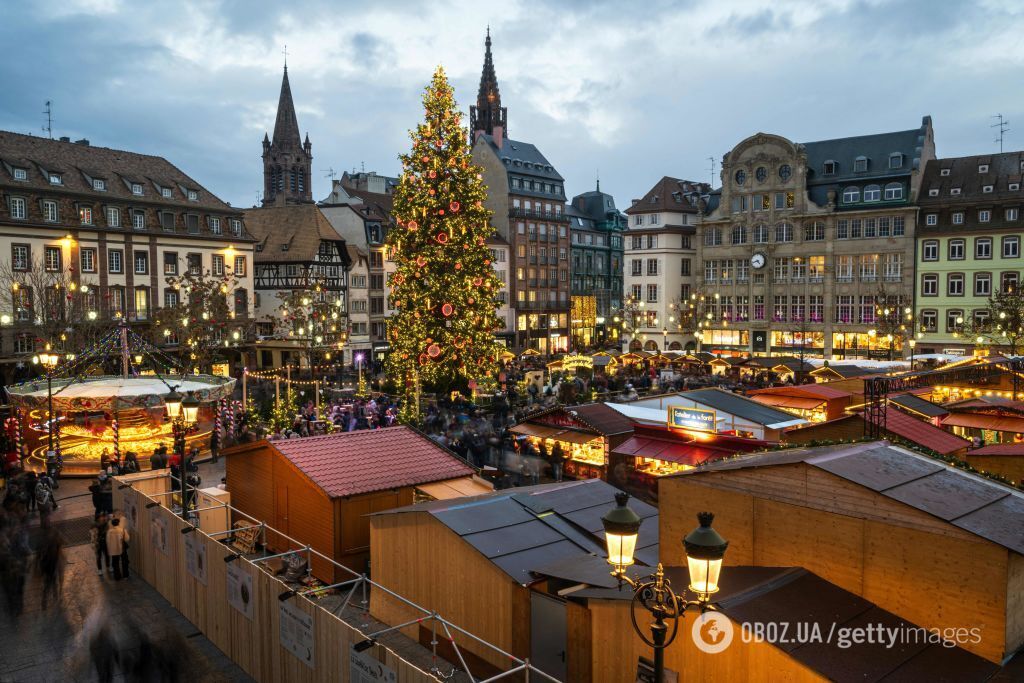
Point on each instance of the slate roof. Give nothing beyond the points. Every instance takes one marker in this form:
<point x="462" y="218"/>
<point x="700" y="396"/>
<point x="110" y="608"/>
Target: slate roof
<point x="741" y="406"/>
<point x="299" y="227"/>
<point x="79" y="164"/>
<point x="379" y="205"/>
<point x="353" y="463"/>
<point x="605" y="420"/>
<point x="922" y="433"/>
<point x="822" y="391"/>
<point x="523" y="529"/>
<point x="531" y="161"/>
<point x="286" y="127"/>
<point x="973" y="503"/>
<point x="1003" y="169"/>
<point x="670" y="194"/>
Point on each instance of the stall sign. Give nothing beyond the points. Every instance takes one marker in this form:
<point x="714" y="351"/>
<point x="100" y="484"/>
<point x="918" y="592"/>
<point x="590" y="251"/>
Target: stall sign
<point x="692" y="418"/>
<point x="575" y="361"/>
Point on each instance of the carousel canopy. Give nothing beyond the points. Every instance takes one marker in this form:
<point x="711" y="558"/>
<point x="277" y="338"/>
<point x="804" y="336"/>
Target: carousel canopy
<point x="116" y="393"/>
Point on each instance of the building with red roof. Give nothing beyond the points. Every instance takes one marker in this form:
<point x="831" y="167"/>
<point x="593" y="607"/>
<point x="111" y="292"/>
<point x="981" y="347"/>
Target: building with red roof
<point x="321" y="489"/>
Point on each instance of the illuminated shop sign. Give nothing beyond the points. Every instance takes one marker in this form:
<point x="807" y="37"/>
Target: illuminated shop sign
<point x="692" y="418"/>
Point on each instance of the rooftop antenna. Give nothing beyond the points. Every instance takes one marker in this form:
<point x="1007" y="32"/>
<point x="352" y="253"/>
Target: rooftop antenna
<point x="48" y="128"/>
<point x="1002" y="124"/>
<point x="329" y="173"/>
<point x="362" y="166"/>
<point x="712" y="160"/>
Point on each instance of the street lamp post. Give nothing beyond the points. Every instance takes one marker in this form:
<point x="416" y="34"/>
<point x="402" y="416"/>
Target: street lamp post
<point x="912" y="343"/>
<point x="49" y="362"/>
<point x="704" y="549"/>
<point x="184" y="412"/>
<point x="664" y="339"/>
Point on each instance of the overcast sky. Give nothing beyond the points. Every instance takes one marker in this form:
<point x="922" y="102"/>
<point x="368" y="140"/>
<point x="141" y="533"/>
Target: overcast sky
<point x="635" y="90"/>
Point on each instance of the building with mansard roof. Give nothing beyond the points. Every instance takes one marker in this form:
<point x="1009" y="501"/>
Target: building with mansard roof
<point x="808" y="249"/>
<point x="91" y="235"/>
<point x="527" y="197"/>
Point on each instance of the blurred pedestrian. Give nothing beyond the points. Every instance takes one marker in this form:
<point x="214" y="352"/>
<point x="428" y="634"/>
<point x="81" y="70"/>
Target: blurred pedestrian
<point x="117" y="546"/>
<point x="49" y="561"/>
<point x="98" y="535"/>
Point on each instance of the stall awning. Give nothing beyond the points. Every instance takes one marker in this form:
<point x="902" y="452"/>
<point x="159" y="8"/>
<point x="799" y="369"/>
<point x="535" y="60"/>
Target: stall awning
<point x="995" y="423"/>
<point x="573" y="436"/>
<point x="797" y="402"/>
<point x="456" y="488"/>
<point x="681" y="453"/>
<point x="540" y="431"/>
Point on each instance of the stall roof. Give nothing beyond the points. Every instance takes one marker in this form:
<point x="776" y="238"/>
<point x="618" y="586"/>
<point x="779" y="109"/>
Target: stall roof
<point x="456" y="488"/>
<point x="353" y="463"/>
<point x="971" y="502"/>
<point x="640" y="413"/>
<point x="784" y="401"/>
<point x="523" y="529"/>
<point x="922" y="433"/>
<point x="999" y="449"/>
<point x="691" y="454"/>
<point x="995" y="423"/>
<point x="540" y="431"/>
<point x="605" y="420"/>
<point x="822" y="391"/>
<point x="761" y="595"/>
<point x="918" y="405"/>
<point x="845" y="371"/>
<point x="743" y="407"/>
<point x="988" y="403"/>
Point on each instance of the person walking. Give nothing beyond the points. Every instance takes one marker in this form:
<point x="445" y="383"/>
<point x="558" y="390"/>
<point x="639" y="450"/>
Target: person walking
<point x="49" y="554"/>
<point x="117" y="546"/>
<point x="98" y="535"/>
<point x="557" y="460"/>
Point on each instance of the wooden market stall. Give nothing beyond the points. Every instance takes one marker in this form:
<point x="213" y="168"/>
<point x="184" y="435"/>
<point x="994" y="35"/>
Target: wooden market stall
<point x="587" y="433"/>
<point x="321" y="488"/>
<point x="813" y="402"/>
<point x="987" y="419"/>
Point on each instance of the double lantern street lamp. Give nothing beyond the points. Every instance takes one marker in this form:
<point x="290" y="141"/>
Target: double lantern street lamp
<point x="49" y="361"/>
<point x="184" y="413"/>
<point x="704" y="548"/>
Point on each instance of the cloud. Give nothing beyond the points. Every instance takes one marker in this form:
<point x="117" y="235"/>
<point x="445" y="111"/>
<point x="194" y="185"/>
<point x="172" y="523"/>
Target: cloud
<point x="639" y="90"/>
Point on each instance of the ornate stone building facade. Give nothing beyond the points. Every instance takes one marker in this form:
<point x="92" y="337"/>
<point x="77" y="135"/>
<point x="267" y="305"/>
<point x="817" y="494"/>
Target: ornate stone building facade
<point x="808" y="249"/>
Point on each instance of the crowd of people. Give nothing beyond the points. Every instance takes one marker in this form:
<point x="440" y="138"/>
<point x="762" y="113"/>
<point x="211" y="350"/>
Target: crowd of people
<point x="374" y="412"/>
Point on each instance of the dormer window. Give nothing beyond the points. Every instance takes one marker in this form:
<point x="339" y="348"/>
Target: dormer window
<point x="944" y="172"/>
<point x="1014" y="186"/>
<point x="137" y="189"/>
<point x="933" y="192"/>
<point x="829" y="168"/>
<point x="982" y="168"/>
<point x="236" y="227"/>
<point x="955" y="191"/>
<point x="165" y="192"/>
<point x="986" y="189"/>
<point x="20" y="174"/>
<point x="215" y="225"/>
<point x="99" y="185"/>
<point x="860" y="165"/>
<point x="55" y="179"/>
<point x="895" y="160"/>
<point x="193" y="195"/>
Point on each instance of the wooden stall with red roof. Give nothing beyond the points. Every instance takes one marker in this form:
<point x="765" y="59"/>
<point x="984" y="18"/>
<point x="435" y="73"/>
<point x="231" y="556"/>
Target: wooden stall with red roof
<point x="320" y="490"/>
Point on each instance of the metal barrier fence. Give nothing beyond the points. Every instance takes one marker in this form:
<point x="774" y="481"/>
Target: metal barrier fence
<point x="272" y="631"/>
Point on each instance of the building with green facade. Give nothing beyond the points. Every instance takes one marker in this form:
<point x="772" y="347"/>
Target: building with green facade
<point x="968" y="248"/>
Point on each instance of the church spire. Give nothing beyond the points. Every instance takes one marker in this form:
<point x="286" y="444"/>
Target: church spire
<point x="488" y="116"/>
<point x="287" y="160"/>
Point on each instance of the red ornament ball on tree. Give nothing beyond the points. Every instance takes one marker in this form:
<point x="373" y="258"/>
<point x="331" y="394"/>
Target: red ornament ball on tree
<point x="454" y="206"/>
<point x="442" y="238"/>
<point x="433" y="350"/>
<point x="448" y="309"/>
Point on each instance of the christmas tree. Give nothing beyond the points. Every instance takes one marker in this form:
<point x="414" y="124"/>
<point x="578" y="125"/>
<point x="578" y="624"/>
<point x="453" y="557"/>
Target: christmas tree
<point x="444" y="287"/>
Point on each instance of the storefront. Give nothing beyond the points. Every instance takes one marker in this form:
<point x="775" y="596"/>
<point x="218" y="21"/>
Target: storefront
<point x="726" y="342"/>
<point x="586" y="433"/>
<point x="811" y="343"/>
<point x="813" y="402"/>
<point x="653" y="452"/>
<point x="864" y="345"/>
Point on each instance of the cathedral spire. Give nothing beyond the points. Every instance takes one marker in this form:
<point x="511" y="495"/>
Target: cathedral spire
<point x="488" y="116"/>
<point x="286" y="128"/>
<point x="287" y="160"/>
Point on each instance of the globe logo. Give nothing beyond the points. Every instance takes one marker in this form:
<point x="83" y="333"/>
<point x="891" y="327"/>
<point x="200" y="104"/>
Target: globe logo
<point x="712" y="632"/>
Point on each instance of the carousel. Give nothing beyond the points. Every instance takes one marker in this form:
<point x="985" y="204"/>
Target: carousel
<point x="84" y="414"/>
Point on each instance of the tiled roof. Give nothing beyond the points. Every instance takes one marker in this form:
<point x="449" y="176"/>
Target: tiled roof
<point x="670" y="194"/>
<point x="81" y="163"/>
<point x="352" y="463"/>
<point x="299" y="227"/>
<point x="375" y="206"/>
<point x="922" y="433"/>
<point x="973" y="503"/>
<point x="523" y="529"/>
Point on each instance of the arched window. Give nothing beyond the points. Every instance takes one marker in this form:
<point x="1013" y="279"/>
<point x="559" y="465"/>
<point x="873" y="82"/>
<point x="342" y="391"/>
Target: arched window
<point x="784" y="232"/>
<point x="280" y="179"/>
<point x="893" y="191"/>
<point x="851" y="195"/>
<point x="292" y="182"/>
<point x="302" y="180"/>
<point x="739" y="234"/>
<point x="675" y="346"/>
<point x="814" y="232"/>
<point x="635" y="345"/>
<point x="760" y="234"/>
<point x="651" y="345"/>
<point x="872" y="193"/>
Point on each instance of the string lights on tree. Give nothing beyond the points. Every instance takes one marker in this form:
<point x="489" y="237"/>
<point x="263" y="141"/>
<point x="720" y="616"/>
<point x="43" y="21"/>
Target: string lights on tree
<point x="444" y="286"/>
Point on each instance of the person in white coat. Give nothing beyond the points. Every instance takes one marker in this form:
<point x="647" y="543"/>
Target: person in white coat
<point x="117" y="546"/>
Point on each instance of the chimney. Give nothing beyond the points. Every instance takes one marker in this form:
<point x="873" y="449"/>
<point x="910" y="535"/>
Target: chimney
<point x="498" y="135"/>
<point x="84" y="142"/>
<point x="65" y="139"/>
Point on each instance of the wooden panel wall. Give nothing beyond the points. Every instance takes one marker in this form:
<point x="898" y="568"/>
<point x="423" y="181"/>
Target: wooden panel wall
<point x="254" y="645"/>
<point x="352" y="543"/>
<point x="418" y="557"/>
<point x="1009" y="466"/>
<point x="579" y="643"/>
<point x="905" y="561"/>
<point x="1015" y="603"/>
<point x="616" y="648"/>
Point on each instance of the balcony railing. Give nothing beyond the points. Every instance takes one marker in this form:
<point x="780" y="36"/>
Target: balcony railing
<point x="542" y="215"/>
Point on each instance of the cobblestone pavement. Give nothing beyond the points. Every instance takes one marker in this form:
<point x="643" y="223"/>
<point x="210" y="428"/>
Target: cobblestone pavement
<point x="48" y="645"/>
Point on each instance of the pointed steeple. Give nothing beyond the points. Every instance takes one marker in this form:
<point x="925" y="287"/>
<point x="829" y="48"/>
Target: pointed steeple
<point x="488" y="116"/>
<point x="287" y="160"/>
<point x="286" y="128"/>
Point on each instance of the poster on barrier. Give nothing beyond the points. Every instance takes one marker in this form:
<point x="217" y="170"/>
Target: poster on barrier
<point x="364" y="668"/>
<point x="131" y="512"/>
<point x="297" y="632"/>
<point x="158" y="532"/>
<point x="195" y="557"/>
<point x="240" y="589"/>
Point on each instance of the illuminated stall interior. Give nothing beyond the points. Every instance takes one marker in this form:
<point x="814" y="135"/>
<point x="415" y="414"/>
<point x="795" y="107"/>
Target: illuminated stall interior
<point x="813" y="402"/>
<point x="586" y="434"/>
